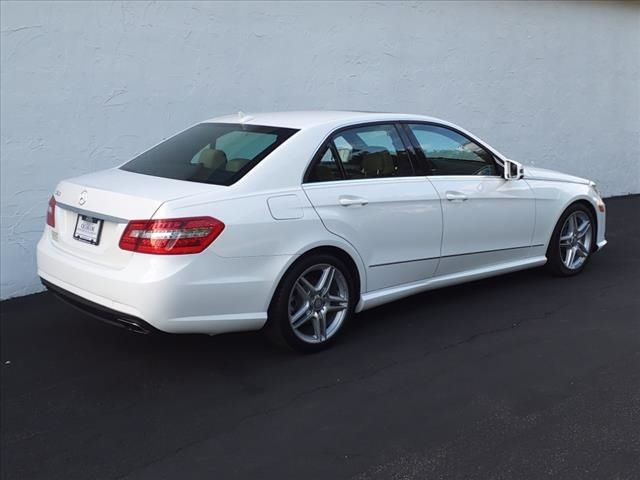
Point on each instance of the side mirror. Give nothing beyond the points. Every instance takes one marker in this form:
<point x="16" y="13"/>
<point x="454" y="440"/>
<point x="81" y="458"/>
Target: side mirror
<point x="513" y="170"/>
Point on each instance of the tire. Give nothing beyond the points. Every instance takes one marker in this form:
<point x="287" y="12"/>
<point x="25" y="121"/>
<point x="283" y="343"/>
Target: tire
<point x="571" y="233"/>
<point x="301" y="301"/>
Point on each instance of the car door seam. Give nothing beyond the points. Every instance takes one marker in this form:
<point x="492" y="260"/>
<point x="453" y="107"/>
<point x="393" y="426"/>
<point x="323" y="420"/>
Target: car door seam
<point x="339" y="236"/>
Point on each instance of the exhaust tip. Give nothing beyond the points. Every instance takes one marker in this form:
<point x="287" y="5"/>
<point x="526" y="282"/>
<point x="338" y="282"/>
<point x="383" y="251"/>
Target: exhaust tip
<point x="132" y="326"/>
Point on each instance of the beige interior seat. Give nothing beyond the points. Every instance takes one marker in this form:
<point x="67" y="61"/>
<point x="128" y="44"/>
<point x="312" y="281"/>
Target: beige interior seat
<point x="235" y="164"/>
<point x="323" y="173"/>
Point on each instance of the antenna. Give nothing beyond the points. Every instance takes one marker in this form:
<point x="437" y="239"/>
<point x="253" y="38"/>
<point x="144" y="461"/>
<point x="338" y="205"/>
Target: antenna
<point x="243" y="117"/>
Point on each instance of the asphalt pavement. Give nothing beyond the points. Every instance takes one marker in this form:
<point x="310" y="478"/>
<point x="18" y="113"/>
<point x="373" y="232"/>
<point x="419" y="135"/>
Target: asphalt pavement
<point x="524" y="376"/>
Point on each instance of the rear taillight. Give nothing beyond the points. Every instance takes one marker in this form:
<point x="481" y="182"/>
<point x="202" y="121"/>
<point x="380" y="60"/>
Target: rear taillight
<point x="172" y="236"/>
<point x="51" y="212"/>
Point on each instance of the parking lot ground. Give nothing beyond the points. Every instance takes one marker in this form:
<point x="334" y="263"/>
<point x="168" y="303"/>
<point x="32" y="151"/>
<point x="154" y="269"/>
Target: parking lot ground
<point x="524" y="376"/>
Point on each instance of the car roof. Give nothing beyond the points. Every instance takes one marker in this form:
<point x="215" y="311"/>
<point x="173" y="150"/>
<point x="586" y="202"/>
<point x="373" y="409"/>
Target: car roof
<point x="313" y="118"/>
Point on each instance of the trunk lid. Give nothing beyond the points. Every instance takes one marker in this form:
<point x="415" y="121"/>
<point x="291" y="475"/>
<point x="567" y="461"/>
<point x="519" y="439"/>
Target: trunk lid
<point x="114" y="197"/>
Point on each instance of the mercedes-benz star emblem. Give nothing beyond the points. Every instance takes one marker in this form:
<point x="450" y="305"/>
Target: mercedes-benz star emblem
<point x="83" y="197"/>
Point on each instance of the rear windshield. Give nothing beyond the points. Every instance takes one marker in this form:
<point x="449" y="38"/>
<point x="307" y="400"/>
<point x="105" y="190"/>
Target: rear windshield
<point x="216" y="153"/>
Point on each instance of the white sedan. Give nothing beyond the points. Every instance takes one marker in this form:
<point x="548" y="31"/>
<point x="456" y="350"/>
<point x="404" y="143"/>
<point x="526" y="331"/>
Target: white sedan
<point x="292" y="222"/>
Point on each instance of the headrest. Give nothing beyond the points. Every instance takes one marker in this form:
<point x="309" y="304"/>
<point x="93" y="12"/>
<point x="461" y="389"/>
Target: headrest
<point x="377" y="162"/>
<point x="213" y="159"/>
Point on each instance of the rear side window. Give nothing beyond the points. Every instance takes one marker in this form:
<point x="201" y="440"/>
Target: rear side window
<point x="326" y="169"/>
<point x="215" y="153"/>
<point x="367" y="151"/>
<point x="372" y="151"/>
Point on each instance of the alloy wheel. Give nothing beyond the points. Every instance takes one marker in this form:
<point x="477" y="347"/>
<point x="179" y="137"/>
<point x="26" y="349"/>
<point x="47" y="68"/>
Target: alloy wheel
<point x="576" y="237"/>
<point x="318" y="303"/>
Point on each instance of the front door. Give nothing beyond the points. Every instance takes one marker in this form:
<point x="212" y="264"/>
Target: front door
<point x="487" y="219"/>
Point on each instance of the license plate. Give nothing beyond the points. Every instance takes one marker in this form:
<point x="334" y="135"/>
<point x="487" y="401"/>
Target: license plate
<point x="88" y="229"/>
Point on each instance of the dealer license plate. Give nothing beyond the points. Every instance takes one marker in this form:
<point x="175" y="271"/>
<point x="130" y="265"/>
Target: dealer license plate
<point x="88" y="229"/>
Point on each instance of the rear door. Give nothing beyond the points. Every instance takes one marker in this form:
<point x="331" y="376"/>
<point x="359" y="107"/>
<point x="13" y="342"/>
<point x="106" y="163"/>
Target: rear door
<point x="362" y="185"/>
<point x="487" y="219"/>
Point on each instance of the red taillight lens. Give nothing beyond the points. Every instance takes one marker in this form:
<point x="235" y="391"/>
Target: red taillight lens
<point x="172" y="236"/>
<point x="51" y="212"/>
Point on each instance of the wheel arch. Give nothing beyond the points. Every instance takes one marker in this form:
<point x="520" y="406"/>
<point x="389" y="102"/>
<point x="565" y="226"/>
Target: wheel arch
<point x="351" y="259"/>
<point x="594" y="216"/>
<point x="582" y="200"/>
<point x="346" y="258"/>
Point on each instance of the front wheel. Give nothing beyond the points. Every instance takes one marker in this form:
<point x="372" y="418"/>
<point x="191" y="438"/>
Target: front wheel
<point x="572" y="241"/>
<point x="312" y="303"/>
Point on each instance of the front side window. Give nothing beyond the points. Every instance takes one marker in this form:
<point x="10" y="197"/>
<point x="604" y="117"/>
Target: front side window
<point x="215" y="153"/>
<point x="372" y="151"/>
<point x="451" y="153"/>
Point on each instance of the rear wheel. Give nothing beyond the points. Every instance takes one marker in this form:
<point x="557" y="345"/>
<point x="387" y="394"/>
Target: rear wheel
<point x="572" y="241"/>
<point x="312" y="303"/>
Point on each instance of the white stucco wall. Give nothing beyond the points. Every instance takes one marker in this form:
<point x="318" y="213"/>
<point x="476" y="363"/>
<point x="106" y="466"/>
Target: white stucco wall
<point x="85" y="86"/>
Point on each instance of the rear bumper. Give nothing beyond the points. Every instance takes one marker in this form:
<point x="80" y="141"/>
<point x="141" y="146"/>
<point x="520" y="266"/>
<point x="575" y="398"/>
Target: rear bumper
<point x="202" y="293"/>
<point x="100" y="312"/>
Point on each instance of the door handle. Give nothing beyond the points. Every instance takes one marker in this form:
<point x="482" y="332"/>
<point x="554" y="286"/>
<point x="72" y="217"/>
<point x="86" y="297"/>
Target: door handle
<point x="348" y="200"/>
<point x="456" y="197"/>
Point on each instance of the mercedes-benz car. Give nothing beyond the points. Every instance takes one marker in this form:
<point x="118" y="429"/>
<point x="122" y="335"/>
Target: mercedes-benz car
<point x="292" y="222"/>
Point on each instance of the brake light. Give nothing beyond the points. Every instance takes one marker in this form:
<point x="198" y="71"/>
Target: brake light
<point x="172" y="236"/>
<point x="51" y="212"/>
